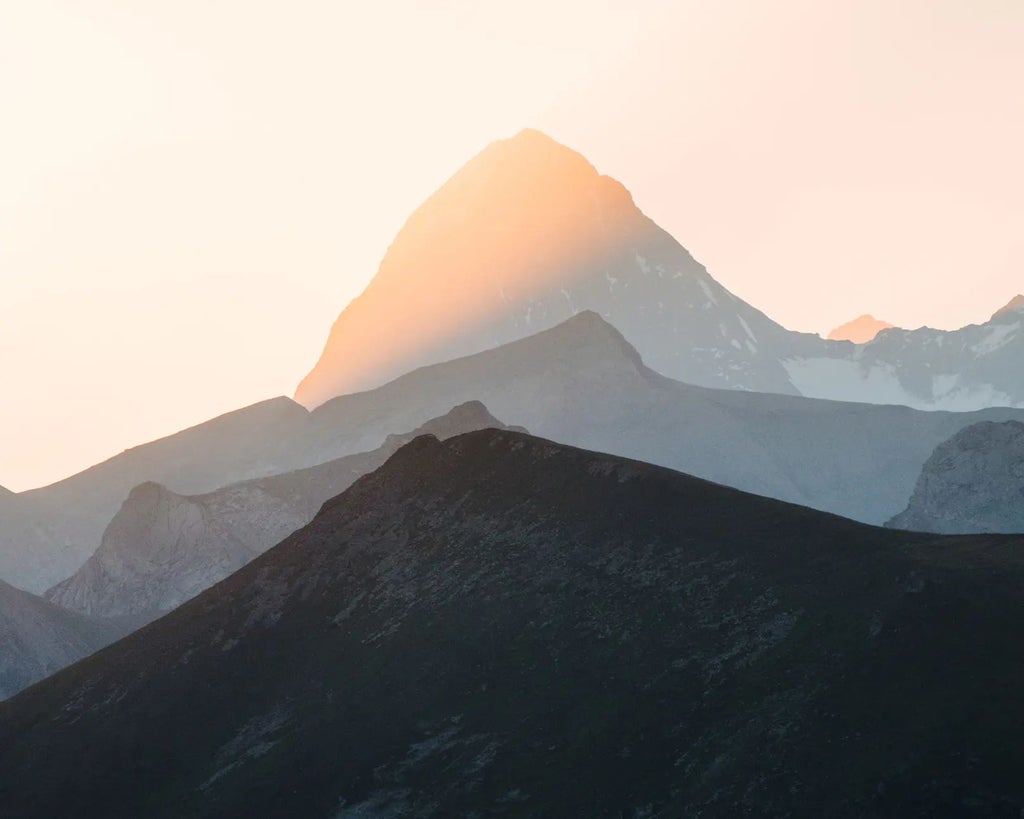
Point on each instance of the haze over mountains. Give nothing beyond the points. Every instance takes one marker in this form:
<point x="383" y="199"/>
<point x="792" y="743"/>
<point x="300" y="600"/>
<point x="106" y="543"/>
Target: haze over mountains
<point x="352" y="619"/>
<point x="501" y="624"/>
<point x="162" y="548"/>
<point x="528" y="233"/>
<point x="580" y="383"/>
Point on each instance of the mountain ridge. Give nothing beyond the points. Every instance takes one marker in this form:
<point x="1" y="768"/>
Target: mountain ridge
<point x="480" y="621"/>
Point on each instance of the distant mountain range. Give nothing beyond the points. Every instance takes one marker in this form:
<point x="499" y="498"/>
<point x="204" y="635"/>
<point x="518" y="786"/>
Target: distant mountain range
<point x="580" y="383"/>
<point x="528" y="234"/>
<point x="501" y="625"/>
<point x="163" y="548"/>
<point x="38" y="638"/>
<point x="974" y="482"/>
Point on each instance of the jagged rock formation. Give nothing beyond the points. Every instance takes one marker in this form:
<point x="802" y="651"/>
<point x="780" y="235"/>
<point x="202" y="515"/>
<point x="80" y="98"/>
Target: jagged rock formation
<point x="38" y="639"/>
<point x="974" y="482"/>
<point x="163" y="548"/>
<point x="501" y="625"/>
<point x="860" y="331"/>
<point x="528" y="233"/>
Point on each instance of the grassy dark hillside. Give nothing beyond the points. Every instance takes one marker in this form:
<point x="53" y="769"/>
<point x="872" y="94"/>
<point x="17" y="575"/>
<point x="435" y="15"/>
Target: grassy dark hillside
<point x="498" y="625"/>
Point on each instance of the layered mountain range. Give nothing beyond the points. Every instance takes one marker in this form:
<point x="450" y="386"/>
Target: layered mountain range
<point x="501" y="625"/>
<point x="163" y="548"/>
<point x="974" y="482"/>
<point x="580" y="382"/>
<point x="528" y="233"/>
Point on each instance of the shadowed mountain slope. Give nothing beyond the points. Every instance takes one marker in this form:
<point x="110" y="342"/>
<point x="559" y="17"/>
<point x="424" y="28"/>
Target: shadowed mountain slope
<point x="38" y="638"/>
<point x="974" y="482"/>
<point x="502" y="625"/>
<point x="162" y="548"/>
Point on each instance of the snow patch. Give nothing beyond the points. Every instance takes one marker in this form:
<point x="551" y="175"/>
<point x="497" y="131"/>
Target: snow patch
<point x="839" y="379"/>
<point x="997" y="337"/>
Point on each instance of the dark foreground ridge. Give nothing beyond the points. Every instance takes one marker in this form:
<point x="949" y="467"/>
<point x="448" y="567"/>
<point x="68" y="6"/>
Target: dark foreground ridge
<point x="498" y="625"/>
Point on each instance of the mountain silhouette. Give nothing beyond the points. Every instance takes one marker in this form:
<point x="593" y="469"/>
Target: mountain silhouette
<point x="501" y="625"/>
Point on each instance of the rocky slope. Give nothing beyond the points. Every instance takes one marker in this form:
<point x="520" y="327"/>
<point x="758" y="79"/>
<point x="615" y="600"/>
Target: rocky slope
<point x="38" y="638"/>
<point x="163" y="548"/>
<point x="528" y="233"/>
<point x="974" y="482"/>
<point x="860" y="331"/>
<point x="499" y="625"/>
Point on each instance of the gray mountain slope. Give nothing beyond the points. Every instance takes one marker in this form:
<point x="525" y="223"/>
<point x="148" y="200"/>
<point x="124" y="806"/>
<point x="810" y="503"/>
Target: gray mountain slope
<point x="163" y="548"/>
<point x="528" y="233"/>
<point x="38" y="638"/>
<point x="972" y="483"/>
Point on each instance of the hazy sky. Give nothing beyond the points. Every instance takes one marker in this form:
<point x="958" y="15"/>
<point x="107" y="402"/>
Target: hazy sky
<point x="191" y="190"/>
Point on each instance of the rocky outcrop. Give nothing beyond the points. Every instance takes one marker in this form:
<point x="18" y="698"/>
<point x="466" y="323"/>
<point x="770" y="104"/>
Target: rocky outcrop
<point x="163" y="548"/>
<point x="974" y="482"/>
<point x="500" y="625"/>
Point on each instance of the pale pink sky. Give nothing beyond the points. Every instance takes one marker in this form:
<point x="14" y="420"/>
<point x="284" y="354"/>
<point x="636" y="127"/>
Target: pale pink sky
<point x="191" y="191"/>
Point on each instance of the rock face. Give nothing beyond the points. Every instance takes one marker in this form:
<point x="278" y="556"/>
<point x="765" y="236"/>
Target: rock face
<point x="499" y="625"/>
<point x="860" y="331"/>
<point x="38" y="639"/>
<point x="163" y="548"/>
<point x="974" y="482"/>
<point x="524" y="236"/>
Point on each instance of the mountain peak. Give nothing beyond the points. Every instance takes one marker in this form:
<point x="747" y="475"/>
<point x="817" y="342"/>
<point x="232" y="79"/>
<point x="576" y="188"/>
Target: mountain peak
<point x="1014" y="305"/>
<point x="861" y="330"/>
